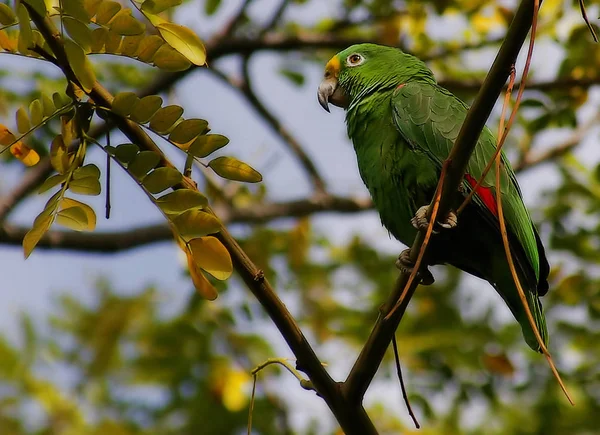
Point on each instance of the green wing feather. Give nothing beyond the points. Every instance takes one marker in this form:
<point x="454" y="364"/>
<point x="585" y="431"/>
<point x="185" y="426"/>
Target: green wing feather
<point x="429" y="118"/>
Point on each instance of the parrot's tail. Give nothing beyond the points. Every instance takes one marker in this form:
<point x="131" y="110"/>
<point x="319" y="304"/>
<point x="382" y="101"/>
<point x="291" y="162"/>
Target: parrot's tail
<point x="506" y="287"/>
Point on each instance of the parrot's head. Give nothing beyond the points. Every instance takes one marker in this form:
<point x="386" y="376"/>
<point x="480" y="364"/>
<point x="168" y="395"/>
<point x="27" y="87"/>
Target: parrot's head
<point x="364" y="68"/>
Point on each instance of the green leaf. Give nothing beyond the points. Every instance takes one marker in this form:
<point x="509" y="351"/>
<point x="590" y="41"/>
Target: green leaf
<point x="146" y="108"/>
<point x="106" y="11"/>
<point x="85" y="186"/>
<point x="185" y="41"/>
<point x="158" y="6"/>
<point x="207" y="144"/>
<point x="143" y="163"/>
<point x="161" y="179"/>
<point x="164" y="118"/>
<point x="125" y="24"/>
<point x="196" y="223"/>
<point x="113" y="42"/>
<point x="168" y="59"/>
<point x="39" y="6"/>
<point x="91" y="6"/>
<point x="52" y="181"/>
<point x="36" y="112"/>
<point x="80" y="64"/>
<point x="233" y="169"/>
<point x="148" y="47"/>
<point x="124" y="103"/>
<point x="7" y="16"/>
<point x="181" y="200"/>
<point x="211" y="6"/>
<point x="126" y="152"/>
<point x="23" y="124"/>
<point x="294" y="76"/>
<point x="187" y="130"/>
<point x="40" y="226"/>
<point x="210" y="254"/>
<point x="80" y="33"/>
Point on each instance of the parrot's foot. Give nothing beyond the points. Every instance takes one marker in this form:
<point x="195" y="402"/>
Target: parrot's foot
<point x="405" y="264"/>
<point x="421" y="223"/>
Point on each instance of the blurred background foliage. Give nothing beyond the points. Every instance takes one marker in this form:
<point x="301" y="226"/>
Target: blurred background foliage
<point x="119" y="364"/>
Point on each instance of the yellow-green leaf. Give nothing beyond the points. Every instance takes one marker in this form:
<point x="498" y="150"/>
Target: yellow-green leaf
<point x="196" y="223"/>
<point x="91" y="6"/>
<point x="89" y="211"/>
<point x="168" y="59"/>
<point x="59" y="159"/>
<point x="131" y="44"/>
<point x="23" y="124"/>
<point x="36" y="112"/>
<point x="80" y="64"/>
<point x="52" y="181"/>
<point x="207" y="144"/>
<point x="76" y="9"/>
<point x="185" y="41"/>
<point x="211" y="6"/>
<point x="124" y="103"/>
<point x="7" y="16"/>
<point x="25" y="34"/>
<point x="187" y="130"/>
<point x="125" y="24"/>
<point x="143" y="163"/>
<point x="210" y="254"/>
<point x="113" y="42"/>
<point x="233" y="169"/>
<point x="74" y="218"/>
<point x="79" y="32"/>
<point x="205" y="289"/>
<point x="158" y="6"/>
<point x="164" y="118"/>
<point x="181" y="200"/>
<point x="47" y="105"/>
<point x="99" y="37"/>
<point x="106" y="11"/>
<point x="148" y="47"/>
<point x="40" y="226"/>
<point x="67" y="126"/>
<point x="85" y="186"/>
<point x="89" y="170"/>
<point x="60" y="100"/>
<point x="161" y="179"/>
<point x="146" y="108"/>
<point x="126" y="152"/>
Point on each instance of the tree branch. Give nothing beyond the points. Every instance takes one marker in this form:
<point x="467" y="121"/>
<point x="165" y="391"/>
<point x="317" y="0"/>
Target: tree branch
<point x="104" y="243"/>
<point x="352" y="418"/>
<point x="367" y="363"/>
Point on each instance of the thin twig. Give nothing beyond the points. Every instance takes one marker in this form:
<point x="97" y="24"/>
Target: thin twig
<point x="402" y="386"/>
<point x="587" y="21"/>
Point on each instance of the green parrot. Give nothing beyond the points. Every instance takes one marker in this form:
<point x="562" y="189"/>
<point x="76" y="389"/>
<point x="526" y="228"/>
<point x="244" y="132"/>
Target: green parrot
<point x="402" y="125"/>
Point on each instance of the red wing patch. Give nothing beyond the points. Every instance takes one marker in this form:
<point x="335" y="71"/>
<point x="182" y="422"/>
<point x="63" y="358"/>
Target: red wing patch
<point x="485" y="194"/>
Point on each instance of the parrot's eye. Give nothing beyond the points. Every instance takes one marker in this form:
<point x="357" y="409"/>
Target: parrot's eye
<point x="355" y="59"/>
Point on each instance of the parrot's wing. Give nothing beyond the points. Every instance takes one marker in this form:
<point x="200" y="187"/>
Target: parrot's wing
<point x="429" y="118"/>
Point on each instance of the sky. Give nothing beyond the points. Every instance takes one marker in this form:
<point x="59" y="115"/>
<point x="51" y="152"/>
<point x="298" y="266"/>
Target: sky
<point x="33" y="285"/>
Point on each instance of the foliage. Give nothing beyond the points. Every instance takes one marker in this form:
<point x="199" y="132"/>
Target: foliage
<point x="134" y="370"/>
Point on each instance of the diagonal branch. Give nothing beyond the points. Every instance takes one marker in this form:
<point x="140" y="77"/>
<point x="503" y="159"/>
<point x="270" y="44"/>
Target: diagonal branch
<point x="370" y="358"/>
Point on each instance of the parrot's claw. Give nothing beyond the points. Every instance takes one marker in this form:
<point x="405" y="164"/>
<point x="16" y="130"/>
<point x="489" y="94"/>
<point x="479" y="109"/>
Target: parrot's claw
<point x="405" y="265"/>
<point x="421" y="223"/>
